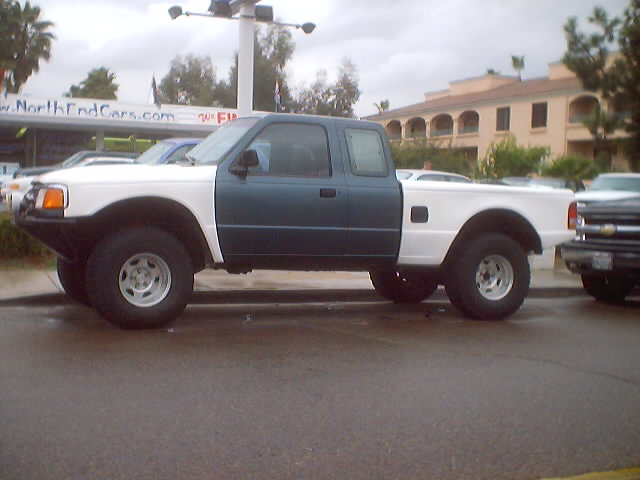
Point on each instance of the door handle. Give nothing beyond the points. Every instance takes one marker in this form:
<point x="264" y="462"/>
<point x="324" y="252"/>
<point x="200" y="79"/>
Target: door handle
<point x="328" y="193"/>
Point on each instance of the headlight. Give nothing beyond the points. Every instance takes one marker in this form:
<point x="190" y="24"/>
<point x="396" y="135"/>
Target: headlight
<point x="45" y="201"/>
<point x="52" y="197"/>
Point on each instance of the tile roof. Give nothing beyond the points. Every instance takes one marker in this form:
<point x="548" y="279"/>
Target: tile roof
<point x="537" y="86"/>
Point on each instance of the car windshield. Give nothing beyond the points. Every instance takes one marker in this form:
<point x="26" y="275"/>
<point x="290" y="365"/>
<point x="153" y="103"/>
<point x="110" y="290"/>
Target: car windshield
<point x="73" y="159"/>
<point x="211" y="150"/>
<point x="616" y="183"/>
<point x="153" y="155"/>
<point x="402" y="175"/>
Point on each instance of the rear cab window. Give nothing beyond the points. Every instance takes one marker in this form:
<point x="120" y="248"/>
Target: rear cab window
<point x="366" y="152"/>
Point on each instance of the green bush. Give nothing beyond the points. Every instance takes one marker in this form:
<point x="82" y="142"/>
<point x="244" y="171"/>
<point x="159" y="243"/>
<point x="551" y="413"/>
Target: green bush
<point x="507" y="158"/>
<point x="14" y="243"/>
<point x="414" y="154"/>
<point x="577" y="167"/>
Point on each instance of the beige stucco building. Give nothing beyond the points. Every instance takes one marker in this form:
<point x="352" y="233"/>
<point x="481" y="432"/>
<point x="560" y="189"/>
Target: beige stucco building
<point x="473" y="113"/>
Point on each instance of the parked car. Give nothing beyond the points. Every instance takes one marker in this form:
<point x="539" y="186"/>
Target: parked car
<point x="169" y="150"/>
<point x="70" y="162"/>
<point x="7" y="169"/>
<point x="611" y="186"/>
<point x="431" y="175"/>
<point x="545" y="182"/>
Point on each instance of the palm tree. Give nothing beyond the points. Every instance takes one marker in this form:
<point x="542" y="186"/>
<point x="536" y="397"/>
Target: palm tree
<point x="100" y="83"/>
<point x="518" y="65"/>
<point x="383" y="106"/>
<point x="29" y="41"/>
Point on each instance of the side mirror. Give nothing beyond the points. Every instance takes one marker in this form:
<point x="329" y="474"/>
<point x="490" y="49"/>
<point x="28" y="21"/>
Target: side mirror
<point x="246" y="160"/>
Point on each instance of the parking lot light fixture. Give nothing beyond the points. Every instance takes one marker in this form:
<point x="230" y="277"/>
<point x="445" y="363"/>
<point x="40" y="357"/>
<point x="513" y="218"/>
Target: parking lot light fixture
<point x="247" y="13"/>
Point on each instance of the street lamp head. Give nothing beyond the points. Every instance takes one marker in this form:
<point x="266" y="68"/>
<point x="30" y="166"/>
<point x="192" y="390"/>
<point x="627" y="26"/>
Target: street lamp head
<point x="308" y="27"/>
<point x="175" y="12"/>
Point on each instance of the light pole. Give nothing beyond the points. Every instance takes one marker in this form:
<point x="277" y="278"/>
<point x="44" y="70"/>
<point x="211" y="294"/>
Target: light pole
<point x="247" y="13"/>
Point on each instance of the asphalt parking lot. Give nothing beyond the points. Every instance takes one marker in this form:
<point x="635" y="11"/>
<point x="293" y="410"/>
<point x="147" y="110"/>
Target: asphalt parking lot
<point x="285" y="389"/>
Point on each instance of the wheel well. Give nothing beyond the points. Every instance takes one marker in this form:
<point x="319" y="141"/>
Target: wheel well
<point x="161" y="213"/>
<point x="506" y="222"/>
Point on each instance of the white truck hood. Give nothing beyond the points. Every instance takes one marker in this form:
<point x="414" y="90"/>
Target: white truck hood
<point x="129" y="174"/>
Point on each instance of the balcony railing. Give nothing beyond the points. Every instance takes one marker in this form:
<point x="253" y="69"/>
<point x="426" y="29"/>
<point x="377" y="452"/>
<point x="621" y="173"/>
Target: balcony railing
<point x="469" y="129"/>
<point x="442" y="132"/>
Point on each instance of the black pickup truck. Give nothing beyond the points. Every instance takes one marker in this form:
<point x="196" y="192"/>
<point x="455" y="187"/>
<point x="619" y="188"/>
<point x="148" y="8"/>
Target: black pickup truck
<point x="606" y="250"/>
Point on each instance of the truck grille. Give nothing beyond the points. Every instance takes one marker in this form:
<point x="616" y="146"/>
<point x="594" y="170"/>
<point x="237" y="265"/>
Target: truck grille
<point x="608" y="224"/>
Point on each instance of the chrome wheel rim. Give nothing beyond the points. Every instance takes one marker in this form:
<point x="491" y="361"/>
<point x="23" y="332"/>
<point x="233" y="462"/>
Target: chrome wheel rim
<point x="494" y="277"/>
<point x="144" y="280"/>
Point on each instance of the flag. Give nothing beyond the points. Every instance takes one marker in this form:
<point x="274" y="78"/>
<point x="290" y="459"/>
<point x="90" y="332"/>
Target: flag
<point x="276" y="95"/>
<point x="154" y="89"/>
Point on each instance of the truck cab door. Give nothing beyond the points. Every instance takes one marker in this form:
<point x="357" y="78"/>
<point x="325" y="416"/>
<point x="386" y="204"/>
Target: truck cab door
<point x="289" y="207"/>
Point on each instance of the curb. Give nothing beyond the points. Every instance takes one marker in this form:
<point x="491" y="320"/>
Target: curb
<point x="205" y="297"/>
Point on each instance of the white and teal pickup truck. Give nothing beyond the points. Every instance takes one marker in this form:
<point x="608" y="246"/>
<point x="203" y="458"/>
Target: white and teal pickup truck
<point x="287" y="192"/>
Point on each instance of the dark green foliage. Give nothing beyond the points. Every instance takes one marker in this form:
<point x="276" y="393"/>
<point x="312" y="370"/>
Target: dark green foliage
<point x="507" y="158"/>
<point x="575" y="167"/>
<point x="24" y="41"/>
<point x="587" y="56"/>
<point x="100" y="83"/>
<point x="14" y="243"/>
<point x="191" y="81"/>
<point x="415" y="154"/>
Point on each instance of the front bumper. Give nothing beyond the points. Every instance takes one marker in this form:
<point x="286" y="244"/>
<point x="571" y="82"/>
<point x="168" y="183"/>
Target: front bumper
<point x="595" y="258"/>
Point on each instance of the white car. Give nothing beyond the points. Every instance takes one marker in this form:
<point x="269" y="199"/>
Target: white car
<point x="6" y="174"/>
<point x="611" y="186"/>
<point x="431" y="175"/>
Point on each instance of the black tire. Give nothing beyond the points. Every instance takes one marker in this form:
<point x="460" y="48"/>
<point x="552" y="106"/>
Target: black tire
<point x="140" y="278"/>
<point x="607" y="289"/>
<point x="488" y="278"/>
<point x="404" y="287"/>
<point x="72" y="279"/>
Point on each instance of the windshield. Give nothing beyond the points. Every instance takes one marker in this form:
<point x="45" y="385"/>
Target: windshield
<point x="155" y="153"/>
<point x="73" y="159"/>
<point x="211" y="150"/>
<point x="616" y="183"/>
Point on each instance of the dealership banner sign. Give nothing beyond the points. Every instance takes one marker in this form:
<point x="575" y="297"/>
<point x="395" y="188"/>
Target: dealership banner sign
<point x="107" y="112"/>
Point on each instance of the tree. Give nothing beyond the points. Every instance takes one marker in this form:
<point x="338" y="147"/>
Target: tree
<point x="507" y="158"/>
<point x="273" y="48"/>
<point x="414" y="154"/>
<point x="190" y="81"/>
<point x="24" y="41"/>
<point x="383" y="106"/>
<point x="589" y="57"/>
<point x="518" y="65"/>
<point x="576" y="167"/>
<point x="601" y="124"/>
<point x="98" y="84"/>
<point x="335" y="100"/>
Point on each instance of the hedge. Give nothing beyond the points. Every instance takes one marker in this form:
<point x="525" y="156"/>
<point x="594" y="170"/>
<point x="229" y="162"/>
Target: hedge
<point x="14" y="243"/>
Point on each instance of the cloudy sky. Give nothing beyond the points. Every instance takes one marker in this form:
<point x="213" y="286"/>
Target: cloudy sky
<point x="401" y="48"/>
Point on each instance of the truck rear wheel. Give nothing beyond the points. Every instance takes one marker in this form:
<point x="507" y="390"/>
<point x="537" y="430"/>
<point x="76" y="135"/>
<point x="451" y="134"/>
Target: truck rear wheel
<point x="489" y="278"/>
<point x="140" y="278"/>
<point x="404" y="287"/>
<point x="72" y="279"/>
<point x="607" y="289"/>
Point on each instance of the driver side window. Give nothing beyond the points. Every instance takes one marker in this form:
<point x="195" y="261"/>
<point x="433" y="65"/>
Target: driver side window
<point x="292" y="150"/>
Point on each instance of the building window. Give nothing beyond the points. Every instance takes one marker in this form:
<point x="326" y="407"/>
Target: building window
<point x="539" y="115"/>
<point x="503" y="119"/>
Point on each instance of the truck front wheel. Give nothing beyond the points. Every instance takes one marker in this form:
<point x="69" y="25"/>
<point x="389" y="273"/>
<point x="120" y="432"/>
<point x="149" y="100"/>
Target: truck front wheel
<point x="404" y="287"/>
<point x="607" y="289"/>
<point x="489" y="277"/>
<point x="140" y="278"/>
<point x="72" y="279"/>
